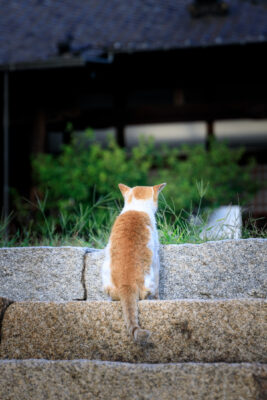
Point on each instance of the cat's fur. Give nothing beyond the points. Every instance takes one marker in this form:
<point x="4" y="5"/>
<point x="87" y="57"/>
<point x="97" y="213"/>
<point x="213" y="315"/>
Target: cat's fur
<point x="131" y="268"/>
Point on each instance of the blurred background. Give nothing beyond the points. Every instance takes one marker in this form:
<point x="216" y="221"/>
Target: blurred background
<point x="82" y="81"/>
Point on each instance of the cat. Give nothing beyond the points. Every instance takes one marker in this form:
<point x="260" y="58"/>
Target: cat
<point x="131" y="267"/>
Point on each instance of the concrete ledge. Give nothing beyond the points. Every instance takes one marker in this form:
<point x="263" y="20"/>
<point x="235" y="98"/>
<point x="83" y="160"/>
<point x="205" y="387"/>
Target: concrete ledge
<point x="83" y="380"/>
<point x="42" y="273"/>
<point x="222" y="269"/>
<point x="182" y="330"/>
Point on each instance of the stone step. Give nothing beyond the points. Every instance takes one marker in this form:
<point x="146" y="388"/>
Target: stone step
<point x="42" y="273"/>
<point x="222" y="269"/>
<point x="182" y="331"/>
<point x="84" y="380"/>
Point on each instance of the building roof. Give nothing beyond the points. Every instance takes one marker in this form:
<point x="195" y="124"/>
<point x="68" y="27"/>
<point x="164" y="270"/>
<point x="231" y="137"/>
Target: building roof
<point x="31" y="30"/>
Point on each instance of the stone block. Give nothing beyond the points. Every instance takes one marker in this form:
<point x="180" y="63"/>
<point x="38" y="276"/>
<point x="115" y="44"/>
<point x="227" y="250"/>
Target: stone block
<point x="182" y="331"/>
<point x="42" y="273"/>
<point x="92" y="276"/>
<point x="86" y="380"/>
<point x="221" y="269"/>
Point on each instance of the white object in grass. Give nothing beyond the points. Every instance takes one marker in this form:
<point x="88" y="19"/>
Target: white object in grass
<point x="224" y="223"/>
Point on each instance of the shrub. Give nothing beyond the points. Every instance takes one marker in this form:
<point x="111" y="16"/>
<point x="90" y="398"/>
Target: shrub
<point x="84" y="173"/>
<point x="216" y="176"/>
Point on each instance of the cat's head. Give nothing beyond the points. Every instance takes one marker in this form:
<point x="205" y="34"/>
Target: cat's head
<point x="142" y="195"/>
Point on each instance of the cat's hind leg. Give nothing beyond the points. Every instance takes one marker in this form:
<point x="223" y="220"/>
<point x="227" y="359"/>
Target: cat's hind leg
<point x="144" y="292"/>
<point x="151" y="283"/>
<point x="112" y="293"/>
<point x="152" y="280"/>
<point x="106" y="277"/>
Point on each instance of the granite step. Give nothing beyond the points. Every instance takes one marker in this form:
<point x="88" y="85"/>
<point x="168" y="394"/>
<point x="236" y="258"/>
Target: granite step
<point x="182" y="331"/>
<point x="210" y="344"/>
<point x="232" y="269"/>
<point x="42" y="273"/>
<point x="221" y="269"/>
<point x="84" y="380"/>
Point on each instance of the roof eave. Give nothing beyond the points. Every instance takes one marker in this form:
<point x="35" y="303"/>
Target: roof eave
<point x="58" y="62"/>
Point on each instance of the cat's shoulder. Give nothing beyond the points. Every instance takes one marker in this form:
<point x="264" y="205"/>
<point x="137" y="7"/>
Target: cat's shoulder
<point x="133" y="217"/>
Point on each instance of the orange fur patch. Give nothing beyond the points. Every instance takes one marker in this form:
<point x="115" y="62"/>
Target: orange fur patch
<point x="142" y="192"/>
<point x="130" y="198"/>
<point x="156" y="190"/>
<point x="155" y="194"/>
<point x="130" y="256"/>
<point x="123" y="188"/>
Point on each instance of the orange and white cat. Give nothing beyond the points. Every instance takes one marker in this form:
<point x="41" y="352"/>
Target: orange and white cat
<point x="131" y="268"/>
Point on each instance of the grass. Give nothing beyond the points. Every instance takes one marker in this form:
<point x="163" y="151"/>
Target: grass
<point x="90" y="226"/>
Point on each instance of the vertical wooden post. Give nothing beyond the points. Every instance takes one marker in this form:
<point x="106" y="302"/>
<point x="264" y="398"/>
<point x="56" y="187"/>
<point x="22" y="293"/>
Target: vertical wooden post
<point x="209" y="133"/>
<point x="120" y="109"/>
<point x="120" y="134"/>
<point x="39" y="132"/>
<point x="38" y="141"/>
<point x="6" y="148"/>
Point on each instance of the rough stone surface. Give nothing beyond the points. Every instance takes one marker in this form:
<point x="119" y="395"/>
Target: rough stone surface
<point x="182" y="330"/>
<point x="93" y="279"/>
<point x="83" y="379"/>
<point x="4" y="303"/>
<point x="42" y="273"/>
<point x="222" y="269"/>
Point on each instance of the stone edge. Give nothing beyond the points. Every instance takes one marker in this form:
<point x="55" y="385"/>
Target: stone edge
<point x="257" y="370"/>
<point x="5" y="303"/>
<point x="92" y="250"/>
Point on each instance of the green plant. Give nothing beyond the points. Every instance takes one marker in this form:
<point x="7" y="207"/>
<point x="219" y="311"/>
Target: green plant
<point x="83" y="173"/>
<point x="77" y="190"/>
<point x="217" y="173"/>
<point x="87" y="227"/>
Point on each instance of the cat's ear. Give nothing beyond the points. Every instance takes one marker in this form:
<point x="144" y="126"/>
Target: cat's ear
<point x="124" y="189"/>
<point x="160" y="187"/>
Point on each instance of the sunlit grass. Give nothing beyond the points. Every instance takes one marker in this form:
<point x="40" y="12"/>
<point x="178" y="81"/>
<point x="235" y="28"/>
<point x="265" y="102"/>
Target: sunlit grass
<point x="90" y="226"/>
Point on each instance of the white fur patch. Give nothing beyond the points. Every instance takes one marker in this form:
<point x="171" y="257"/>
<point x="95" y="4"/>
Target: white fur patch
<point x="152" y="279"/>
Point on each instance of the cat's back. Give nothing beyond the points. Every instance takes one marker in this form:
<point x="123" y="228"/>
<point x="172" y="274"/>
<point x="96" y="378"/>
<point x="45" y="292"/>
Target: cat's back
<point x="131" y="229"/>
<point x="129" y="252"/>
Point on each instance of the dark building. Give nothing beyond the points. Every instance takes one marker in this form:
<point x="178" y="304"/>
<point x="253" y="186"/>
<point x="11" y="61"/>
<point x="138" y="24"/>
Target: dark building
<point x="118" y="63"/>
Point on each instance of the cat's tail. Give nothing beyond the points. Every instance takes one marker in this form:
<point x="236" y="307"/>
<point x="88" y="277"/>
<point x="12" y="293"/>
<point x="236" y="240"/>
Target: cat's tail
<point x="129" y="297"/>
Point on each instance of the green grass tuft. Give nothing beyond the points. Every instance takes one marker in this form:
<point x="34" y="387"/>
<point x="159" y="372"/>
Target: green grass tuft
<point x="90" y="226"/>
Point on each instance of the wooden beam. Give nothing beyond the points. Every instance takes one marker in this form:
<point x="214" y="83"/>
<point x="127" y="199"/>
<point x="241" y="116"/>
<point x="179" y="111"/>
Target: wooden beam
<point x="195" y="112"/>
<point x="164" y="114"/>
